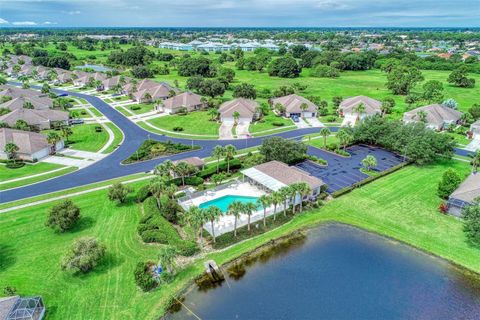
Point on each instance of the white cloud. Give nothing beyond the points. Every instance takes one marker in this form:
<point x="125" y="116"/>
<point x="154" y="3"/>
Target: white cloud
<point x="24" y="23"/>
<point x="3" y="21"/>
<point x="49" y="23"/>
<point x="73" y="12"/>
<point x="330" y="5"/>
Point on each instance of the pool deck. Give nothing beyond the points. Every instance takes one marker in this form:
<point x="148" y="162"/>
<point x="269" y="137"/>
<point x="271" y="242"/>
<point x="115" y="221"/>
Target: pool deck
<point x="226" y="222"/>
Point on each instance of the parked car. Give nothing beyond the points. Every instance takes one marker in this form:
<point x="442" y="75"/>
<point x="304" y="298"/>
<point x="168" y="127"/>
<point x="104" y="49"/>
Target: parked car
<point x="76" y="121"/>
<point x="295" y="119"/>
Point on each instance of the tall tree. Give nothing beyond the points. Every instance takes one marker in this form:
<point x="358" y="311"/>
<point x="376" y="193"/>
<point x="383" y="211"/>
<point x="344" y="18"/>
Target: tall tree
<point x="213" y="213"/>
<point x="235" y="209"/>
<point x="325" y="132"/>
<point x="230" y="152"/>
<point x="218" y="152"/>
<point x="264" y="200"/>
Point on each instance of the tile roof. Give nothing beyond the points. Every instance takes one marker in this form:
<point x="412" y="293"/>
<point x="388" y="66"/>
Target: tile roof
<point x="293" y="103"/>
<point x="28" y="142"/>
<point x="245" y="107"/>
<point x="372" y="106"/>
<point x="469" y="190"/>
<point x="437" y="114"/>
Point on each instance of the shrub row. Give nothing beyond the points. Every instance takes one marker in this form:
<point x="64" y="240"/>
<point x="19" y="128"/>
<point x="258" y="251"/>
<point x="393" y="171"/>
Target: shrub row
<point x="154" y="227"/>
<point x="212" y="169"/>
<point x="366" y="181"/>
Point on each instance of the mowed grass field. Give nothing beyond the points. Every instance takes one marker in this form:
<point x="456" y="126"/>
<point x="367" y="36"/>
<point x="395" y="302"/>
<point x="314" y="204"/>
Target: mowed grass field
<point x="402" y="205"/>
<point x="196" y="122"/>
<point x="85" y="138"/>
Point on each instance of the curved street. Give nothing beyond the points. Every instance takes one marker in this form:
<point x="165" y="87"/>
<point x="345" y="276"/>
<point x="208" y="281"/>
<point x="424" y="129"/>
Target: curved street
<point x="110" y="167"/>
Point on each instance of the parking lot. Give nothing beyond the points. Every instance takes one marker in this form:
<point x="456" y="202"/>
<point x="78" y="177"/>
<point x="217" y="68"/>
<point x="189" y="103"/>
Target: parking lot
<point x="343" y="172"/>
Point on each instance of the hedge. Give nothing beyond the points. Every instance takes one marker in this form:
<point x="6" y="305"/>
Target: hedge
<point x="154" y="227"/>
<point x="366" y="181"/>
<point x="212" y="168"/>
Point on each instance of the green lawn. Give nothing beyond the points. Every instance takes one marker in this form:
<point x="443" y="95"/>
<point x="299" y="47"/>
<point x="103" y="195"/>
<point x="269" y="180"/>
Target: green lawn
<point x="85" y="138"/>
<point x="117" y="137"/>
<point x="144" y="107"/>
<point x="402" y="205"/>
<point x="24" y="182"/>
<point x="319" y="141"/>
<point x="26" y="170"/>
<point x="266" y="123"/>
<point x="350" y="83"/>
<point x="196" y="122"/>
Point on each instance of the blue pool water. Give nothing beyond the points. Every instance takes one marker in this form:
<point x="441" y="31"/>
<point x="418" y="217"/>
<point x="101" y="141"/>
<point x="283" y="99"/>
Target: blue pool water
<point x="224" y="202"/>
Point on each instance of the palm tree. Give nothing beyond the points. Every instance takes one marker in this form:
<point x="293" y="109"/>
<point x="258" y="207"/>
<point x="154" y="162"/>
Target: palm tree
<point x="369" y="162"/>
<point x="52" y="74"/>
<point x="66" y="132"/>
<point x="11" y="150"/>
<point x="422" y="116"/>
<point x="183" y="169"/>
<point x="53" y="138"/>
<point x="236" y="116"/>
<point x="230" y="152"/>
<point x="164" y="168"/>
<point x="235" y="208"/>
<point x="171" y="190"/>
<point x="167" y="259"/>
<point x="195" y="218"/>
<point x="304" y="190"/>
<point x="218" y="152"/>
<point x="344" y="137"/>
<point x="213" y="113"/>
<point x="325" y="132"/>
<point x="157" y="188"/>
<point x="303" y="107"/>
<point x="249" y="208"/>
<point x="212" y="214"/>
<point x="294" y="191"/>
<point x="265" y="201"/>
<point x="360" y="109"/>
<point x="476" y="161"/>
<point x="276" y="198"/>
<point x="285" y="195"/>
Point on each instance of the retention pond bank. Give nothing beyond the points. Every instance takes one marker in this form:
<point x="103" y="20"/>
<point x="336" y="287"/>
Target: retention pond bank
<point x="337" y="272"/>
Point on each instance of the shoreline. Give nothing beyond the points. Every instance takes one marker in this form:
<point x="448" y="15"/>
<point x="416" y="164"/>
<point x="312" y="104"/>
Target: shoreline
<point x="292" y="235"/>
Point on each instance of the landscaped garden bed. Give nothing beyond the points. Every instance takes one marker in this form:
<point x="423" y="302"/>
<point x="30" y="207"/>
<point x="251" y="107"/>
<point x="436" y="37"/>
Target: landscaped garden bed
<point x="151" y="149"/>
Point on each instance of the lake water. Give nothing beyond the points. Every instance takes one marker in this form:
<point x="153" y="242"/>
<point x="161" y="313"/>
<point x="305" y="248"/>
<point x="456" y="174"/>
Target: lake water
<point x="94" y="67"/>
<point x="338" y="272"/>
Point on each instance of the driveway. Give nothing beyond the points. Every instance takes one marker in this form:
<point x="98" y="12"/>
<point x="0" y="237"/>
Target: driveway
<point x="314" y="122"/>
<point x="225" y="131"/>
<point x="242" y="130"/>
<point x="301" y="124"/>
<point x="70" y="162"/>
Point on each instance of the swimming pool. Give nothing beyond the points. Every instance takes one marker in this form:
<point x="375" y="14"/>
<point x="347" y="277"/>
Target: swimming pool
<point x="224" y="202"/>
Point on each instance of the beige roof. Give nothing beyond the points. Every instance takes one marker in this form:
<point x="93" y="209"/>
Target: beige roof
<point x="195" y="161"/>
<point x="159" y="91"/>
<point x="28" y="142"/>
<point x="113" y="81"/>
<point x="186" y="99"/>
<point x="34" y="117"/>
<point x="18" y="103"/>
<point x="16" y="92"/>
<point x="350" y="105"/>
<point x="437" y="115"/>
<point x="288" y="175"/>
<point x="293" y="102"/>
<point x="142" y="85"/>
<point x="245" y="107"/>
<point x="96" y="76"/>
<point x="469" y="190"/>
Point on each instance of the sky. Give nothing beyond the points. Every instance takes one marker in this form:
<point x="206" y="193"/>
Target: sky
<point x="240" y="13"/>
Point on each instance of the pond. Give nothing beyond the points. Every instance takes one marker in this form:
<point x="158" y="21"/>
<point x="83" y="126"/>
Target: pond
<point x="94" y="67"/>
<point x="338" y="272"/>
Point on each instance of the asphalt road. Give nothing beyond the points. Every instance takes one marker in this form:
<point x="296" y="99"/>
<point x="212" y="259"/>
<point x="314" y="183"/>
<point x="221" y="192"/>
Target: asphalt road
<point x="110" y="167"/>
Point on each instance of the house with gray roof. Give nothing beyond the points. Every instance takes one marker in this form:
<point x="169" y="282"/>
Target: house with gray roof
<point x="190" y="101"/>
<point x="32" y="146"/>
<point x="247" y="110"/>
<point x="85" y="79"/>
<point x="435" y="116"/>
<point x="465" y="195"/>
<point x="296" y="105"/>
<point x="38" y="119"/>
<point x="22" y="102"/>
<point x="350" y="106"/>
<point x="113" y="82"/>
<point x="274" y="175"/>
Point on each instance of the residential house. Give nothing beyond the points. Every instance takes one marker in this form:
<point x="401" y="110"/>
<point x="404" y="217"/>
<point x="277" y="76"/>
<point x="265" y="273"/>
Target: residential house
<point x="16" y="92"/>
<point x="194" y="161"/>
<point x="21" y="102"/>
<point x="350" y="106"/>
<point x="188" y="100"/>
<point x="465" y="195"/>
<point x="85" y="79"/>
<point x="247" y="110"/>
<point x="32" y="146"/>
<point x="38" y="119"/>
<point x="113" y="82"/>
<point x="274" y="175"/>
<point x="296" y="106"/>
<point x="475" y="129"/>
<point x="63" y="76"/>
<point x="435" y="116"/>
<point x="152" y="91"/>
